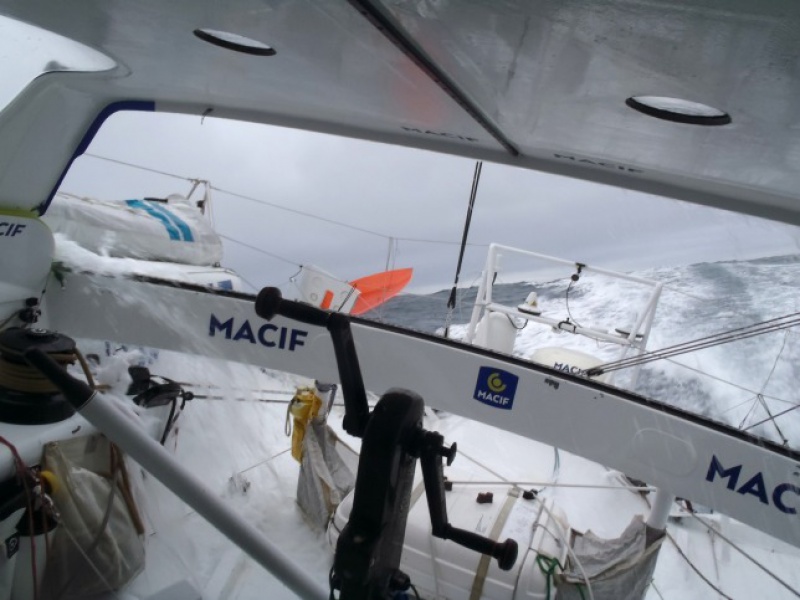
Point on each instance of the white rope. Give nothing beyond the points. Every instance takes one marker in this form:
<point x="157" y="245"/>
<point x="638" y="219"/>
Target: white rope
<point x="265" y="461"/>
<point x="543" y="484"/>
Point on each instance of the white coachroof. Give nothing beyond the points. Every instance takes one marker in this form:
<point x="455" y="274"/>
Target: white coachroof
<point x="539" y="85"/>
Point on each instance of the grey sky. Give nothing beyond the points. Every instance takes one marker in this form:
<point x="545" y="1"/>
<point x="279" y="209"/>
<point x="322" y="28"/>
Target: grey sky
<point x="403" y="193"/>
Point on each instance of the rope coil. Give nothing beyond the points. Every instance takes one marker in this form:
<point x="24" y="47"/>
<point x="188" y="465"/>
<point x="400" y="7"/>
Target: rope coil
<point x="17" y="375"/>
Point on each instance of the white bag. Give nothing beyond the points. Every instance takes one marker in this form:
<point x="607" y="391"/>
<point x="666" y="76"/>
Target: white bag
<point x="98" y="544"/>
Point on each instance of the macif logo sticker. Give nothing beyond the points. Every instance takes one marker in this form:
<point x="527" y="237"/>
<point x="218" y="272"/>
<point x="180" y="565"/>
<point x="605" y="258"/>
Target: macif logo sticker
<point x="496" y="387"/>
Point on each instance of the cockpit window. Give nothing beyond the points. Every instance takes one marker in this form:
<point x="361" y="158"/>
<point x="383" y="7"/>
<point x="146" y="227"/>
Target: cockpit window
<point x="26" y="52"/>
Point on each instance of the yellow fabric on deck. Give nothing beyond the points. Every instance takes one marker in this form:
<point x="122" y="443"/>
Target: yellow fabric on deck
<point x="304" y="406"/>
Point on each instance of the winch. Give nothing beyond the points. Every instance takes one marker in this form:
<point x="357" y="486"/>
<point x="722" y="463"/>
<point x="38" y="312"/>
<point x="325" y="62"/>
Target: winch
<point x="26" y="397"/>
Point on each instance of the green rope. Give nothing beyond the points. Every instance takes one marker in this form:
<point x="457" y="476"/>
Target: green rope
<point x="580" y="590"/>
<point x="548" y="565"/>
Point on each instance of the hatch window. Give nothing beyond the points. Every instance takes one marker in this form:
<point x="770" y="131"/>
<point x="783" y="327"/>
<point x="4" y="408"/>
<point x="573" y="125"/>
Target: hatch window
<point x="234" y="41"/>
<point x="678" y="110"/>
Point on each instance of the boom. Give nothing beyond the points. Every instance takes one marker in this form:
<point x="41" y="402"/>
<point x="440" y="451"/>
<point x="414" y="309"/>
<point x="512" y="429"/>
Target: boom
<point x="752" y="480"/>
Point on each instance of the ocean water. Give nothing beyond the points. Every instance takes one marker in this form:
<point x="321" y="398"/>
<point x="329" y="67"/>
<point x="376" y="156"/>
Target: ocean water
<point x="740" y="383"/>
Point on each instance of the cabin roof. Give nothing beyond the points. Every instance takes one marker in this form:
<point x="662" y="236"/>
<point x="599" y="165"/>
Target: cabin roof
<point x="540" y="85"/>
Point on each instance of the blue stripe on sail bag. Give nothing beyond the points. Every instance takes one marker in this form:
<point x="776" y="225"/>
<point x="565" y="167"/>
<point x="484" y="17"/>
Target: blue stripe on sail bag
<point x="175" y="226"/>
<point x="148" y="208"/>
<point x="176" y="220"/>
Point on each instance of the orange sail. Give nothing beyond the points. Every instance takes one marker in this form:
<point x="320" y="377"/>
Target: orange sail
<point x="378" y="288"/>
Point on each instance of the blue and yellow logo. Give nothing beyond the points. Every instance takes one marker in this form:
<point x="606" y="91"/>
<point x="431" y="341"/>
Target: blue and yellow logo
<point x="496" y="387"/>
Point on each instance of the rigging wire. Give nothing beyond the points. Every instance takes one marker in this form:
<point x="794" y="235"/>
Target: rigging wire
<point x="745" y="554"/>
<point x="676" y="290"/>
<point x="653" y="585"/>
<point x="330" y="221"/>
<point x="451" y="301"/>
<point x="686" y="559"/>
<point x="728" y="541"/>
<point x="726" y="382"/>
<point x="760" y="396"/>
<point x="259" y="250"/>
<point x="135" y="166"/>
<point x="694" y="568"/>
<point x="270" y="204"/>
<point x="444" y="242"/>
<point x="772" y="418"/>
<point x="249" y="283"/>
<point x="739" y="333"/>
<point x="298" y="212"/>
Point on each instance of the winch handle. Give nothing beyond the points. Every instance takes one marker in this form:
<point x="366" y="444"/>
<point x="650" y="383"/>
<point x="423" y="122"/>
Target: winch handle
<point x="270" y="303"/>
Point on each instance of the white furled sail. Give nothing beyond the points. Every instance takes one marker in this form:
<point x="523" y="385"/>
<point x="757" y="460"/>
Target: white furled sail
<point x="161" y="238"/>
<point x="171" y="230"/>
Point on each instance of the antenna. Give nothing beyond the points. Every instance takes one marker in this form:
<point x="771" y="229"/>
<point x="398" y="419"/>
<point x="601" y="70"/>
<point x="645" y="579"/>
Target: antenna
<point x="451" y="301"/>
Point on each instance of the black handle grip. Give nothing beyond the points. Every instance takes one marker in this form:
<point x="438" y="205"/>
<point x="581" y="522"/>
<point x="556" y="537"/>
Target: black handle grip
<point x="270" y="302"/>
<point x="505" y="552"/>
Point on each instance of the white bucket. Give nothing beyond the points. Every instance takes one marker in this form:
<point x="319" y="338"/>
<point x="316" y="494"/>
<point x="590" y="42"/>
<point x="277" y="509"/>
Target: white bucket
<point x="323" y="290"/>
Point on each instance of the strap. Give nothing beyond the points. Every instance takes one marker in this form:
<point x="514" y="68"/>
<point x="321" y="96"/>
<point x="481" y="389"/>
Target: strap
<point x="497" y="529"/>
